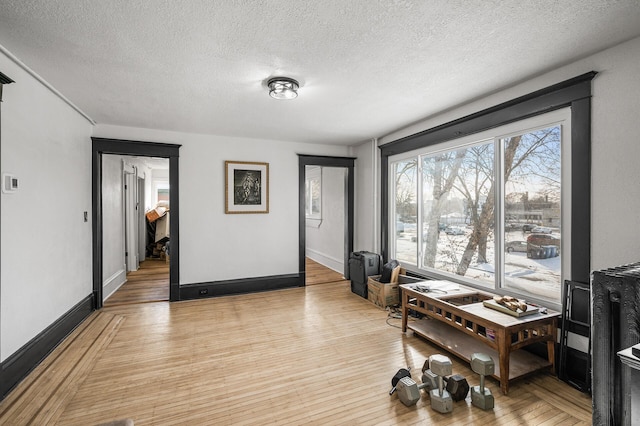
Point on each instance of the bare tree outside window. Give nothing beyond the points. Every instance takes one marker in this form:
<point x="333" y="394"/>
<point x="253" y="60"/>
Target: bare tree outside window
<point x="406" y="210"/>
<point x="532" y="211"/>
<point x="455" y="229"/>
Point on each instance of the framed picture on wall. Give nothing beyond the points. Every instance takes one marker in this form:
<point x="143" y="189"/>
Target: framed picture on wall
<point x="246" y="187"/>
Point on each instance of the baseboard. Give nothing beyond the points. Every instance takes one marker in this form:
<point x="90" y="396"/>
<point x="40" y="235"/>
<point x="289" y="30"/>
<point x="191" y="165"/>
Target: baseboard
<point x="18" y="365"/>
<point x="326" y="260"/>
<point x="239" y="286"/>
<point x="113" y="283"/>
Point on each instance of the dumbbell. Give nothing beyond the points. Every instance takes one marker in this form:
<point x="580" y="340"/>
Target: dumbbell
<point x="409" y="391"/>
<point x="457" y="385"/>
<point x="403" y="372"/>
<point x="441" y="400"/>
<point x="481" y="397"/>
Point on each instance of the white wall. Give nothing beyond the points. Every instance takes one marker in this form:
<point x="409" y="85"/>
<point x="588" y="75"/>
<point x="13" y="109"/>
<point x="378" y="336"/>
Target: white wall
<point x="45" y="267"/>
<point x="367" y="200"/>
<point x="217" y="246"/>
<point x="147" y="175"/>
<point x="325" y="238"/>
<point x="615" y="175"/>
<point x="113" y="261"/>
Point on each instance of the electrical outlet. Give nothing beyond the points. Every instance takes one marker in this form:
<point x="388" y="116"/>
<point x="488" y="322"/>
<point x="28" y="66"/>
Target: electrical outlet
<point x="203" y="291"/>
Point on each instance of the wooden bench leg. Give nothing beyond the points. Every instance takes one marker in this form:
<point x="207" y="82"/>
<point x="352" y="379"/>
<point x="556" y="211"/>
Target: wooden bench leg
<point x="504" y="344"/>
<point x="405" y="310"/>
<point x="551" y="348"/>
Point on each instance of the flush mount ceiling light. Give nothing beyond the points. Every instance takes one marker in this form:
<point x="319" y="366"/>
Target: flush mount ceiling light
<point x="283" y="88"/>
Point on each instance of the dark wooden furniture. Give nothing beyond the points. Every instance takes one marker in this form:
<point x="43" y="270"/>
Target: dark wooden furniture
<point x="459" y="322"/>
<point x="615" y="297"/>
<point x="575" y="365"/>
<point x="631" y="360"/>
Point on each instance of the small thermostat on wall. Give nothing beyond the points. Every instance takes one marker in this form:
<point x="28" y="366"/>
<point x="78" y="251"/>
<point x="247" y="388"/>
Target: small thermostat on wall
<point x="9" y="183"/>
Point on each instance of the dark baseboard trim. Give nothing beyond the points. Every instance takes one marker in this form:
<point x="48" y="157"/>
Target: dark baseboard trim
<point x="240" y="286"/>
<point x="17" y="366"/>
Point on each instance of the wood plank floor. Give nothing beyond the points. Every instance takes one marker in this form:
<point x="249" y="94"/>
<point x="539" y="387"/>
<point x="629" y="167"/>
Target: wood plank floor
<point x="320" y="274"/>
<point x="150" y="283"/>
<point x="312" y="355"/>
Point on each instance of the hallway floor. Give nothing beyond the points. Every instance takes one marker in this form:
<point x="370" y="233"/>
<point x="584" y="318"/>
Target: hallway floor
<point x="150" y="283"/>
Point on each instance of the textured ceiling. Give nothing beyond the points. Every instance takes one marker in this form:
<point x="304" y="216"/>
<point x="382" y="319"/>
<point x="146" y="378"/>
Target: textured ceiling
<point x="366" y="67"/>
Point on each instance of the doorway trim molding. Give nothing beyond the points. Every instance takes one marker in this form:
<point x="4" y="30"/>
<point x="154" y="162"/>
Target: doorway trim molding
<point x="102" y="146"/>
<point x="325" y="161"/>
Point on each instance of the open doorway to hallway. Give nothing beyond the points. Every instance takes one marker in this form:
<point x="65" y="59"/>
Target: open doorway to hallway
<point x="307" y="211"/>
<point x="105" y="146"/>
<point x="135" y="220"/>
<point x="324" y="223"/>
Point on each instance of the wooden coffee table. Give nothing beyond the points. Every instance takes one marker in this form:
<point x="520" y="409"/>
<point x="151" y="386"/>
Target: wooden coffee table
<point x="458" y="321"/>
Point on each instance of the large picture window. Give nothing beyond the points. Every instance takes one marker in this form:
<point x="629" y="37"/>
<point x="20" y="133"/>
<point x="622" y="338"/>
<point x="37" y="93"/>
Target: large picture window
<point x="486" y="209"/>
<point x="540" y="185"/>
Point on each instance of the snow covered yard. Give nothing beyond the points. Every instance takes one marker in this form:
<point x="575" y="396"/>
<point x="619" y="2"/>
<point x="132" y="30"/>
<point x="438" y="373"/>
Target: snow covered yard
<point x="540" y="277"/>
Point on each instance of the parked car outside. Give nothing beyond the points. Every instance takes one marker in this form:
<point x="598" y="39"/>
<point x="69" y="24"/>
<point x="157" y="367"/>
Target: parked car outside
<point x="454" y="230"/>
<point x="528" y="227"/>
<point x="519" y="246"/>
<point x="509" y="226"/>
<point x="542" y="246"/>
<point x="541" y="230"/>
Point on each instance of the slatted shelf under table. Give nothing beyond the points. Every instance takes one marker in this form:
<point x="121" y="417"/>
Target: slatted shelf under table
<point x="458" y="321"/>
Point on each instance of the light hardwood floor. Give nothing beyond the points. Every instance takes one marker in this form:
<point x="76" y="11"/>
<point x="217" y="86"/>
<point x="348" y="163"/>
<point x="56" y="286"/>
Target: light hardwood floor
<point x="313" y="355"/>
<point x="150" y="283"/>
<point x="316" y="273"/>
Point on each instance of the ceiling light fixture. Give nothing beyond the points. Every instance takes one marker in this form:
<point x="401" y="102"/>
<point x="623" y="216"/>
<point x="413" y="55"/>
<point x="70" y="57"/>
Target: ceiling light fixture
<point x="283" y="88"/>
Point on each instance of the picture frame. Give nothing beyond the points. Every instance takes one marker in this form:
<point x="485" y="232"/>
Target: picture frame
<point x="246" y="187"/>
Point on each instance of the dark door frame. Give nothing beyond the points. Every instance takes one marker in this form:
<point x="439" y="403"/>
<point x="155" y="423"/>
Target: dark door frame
<point x="145" y="149"/>
<point x="316" y="160"/>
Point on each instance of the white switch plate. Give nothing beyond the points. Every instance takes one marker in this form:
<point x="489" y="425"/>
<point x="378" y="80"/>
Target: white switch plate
<point x="9" y="183"/>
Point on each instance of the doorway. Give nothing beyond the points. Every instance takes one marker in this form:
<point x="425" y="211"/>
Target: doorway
<point x="305" y="163"/>
<point x="101" y="146"/>
<point x="325" y="224"/>
<point x="135" y="247"/>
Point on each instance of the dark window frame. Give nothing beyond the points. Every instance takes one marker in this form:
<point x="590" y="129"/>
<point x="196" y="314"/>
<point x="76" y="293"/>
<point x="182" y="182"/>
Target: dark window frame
<point x="574" y="93"/>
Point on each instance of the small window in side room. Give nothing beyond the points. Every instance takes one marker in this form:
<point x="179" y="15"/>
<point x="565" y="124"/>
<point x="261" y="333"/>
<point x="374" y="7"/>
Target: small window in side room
<point x="313" y="192"/>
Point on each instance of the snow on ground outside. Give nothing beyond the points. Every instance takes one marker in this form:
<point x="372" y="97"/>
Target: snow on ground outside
<point x="540" y="277"/>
